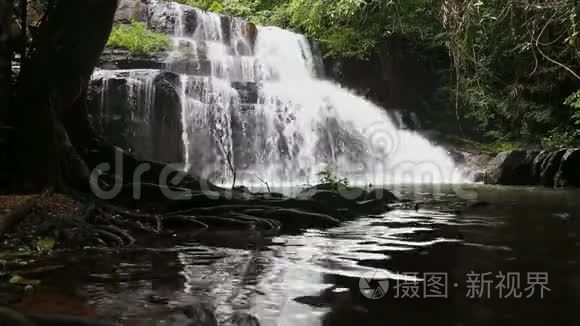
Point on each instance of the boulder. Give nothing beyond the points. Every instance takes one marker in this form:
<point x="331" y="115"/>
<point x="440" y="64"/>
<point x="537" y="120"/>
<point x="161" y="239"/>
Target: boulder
<point x="161" y="17"/>
<point x="244" y="319"/>
<point x="324" y="197"/>
<point x="199" y="313"/>
<point x="128" y="10"/>
<point x="511" y="168"/>
<point x="353" y="194"/>
<point x="549" y="168"/>
<point x="382" y="194"/>
<point x="13" y="318"/>
<point x="479" y="176"/>
<point x="166" y="120"/>
<point x="373" y="206"/>
<point x="536" y="167"/>
<point x="342" y="199"/>
<point x="139" y="111"/>
<point x="568" y="174"/>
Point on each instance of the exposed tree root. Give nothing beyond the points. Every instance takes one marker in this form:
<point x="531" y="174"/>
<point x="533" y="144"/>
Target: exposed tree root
<point x="181" y="222"/>
<point x="271" y="227"/>
<point x="126" y="238"/>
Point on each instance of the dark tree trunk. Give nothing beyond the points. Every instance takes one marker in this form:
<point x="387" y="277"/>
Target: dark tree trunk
<point x="51" y="118"/>
<point x="5" y="56"/>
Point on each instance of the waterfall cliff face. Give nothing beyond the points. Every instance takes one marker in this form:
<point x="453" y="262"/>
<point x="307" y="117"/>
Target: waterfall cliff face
<point x="254" y="97"/>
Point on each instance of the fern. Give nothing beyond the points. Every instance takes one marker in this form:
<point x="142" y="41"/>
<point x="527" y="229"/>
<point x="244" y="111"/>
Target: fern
<point x="137" y="39"/>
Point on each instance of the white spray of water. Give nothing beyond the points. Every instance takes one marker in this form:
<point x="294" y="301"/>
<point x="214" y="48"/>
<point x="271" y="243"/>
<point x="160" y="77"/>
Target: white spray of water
<point x="253" y="96"/>
<point x="299" y="124"/>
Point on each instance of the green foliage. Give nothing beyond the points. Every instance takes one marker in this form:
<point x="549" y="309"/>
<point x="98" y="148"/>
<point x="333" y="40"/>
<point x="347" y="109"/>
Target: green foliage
<point x="345" y="28"/>
<point x="257" y="11"/>
<point x="490" y="148"/>
<point x="337" y="184"/>
<point x="559" y="139"/>
<point x="137" y="39"/>
<point x="45" y="244"/>
<point x="503" y="146"/>
<point x="513" y="61"/>
<point x="19" y="280"/>
<point x="573" y="101"/>
<point x="202" y="4"/>
<point x="353" y="28"/>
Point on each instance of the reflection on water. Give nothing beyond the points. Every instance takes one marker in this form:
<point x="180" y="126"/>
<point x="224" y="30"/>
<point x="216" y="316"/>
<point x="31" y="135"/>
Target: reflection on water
<point x="312" y="278"/>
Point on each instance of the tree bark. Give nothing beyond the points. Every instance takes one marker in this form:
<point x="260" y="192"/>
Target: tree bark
<point x="51" y="117"/>
<point x="5" y="56"/>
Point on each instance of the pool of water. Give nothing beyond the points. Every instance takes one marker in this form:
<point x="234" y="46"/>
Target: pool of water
<point x="467" y="256"/>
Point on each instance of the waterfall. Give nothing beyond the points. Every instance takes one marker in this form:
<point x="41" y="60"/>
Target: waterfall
<point x="255" y="97"/>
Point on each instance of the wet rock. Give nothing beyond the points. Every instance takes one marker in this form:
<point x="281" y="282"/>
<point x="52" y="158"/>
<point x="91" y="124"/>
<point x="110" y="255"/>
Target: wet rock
<point x="511" y="168"/>
<point x="269" y="195"/>
<point x="46" y="320"/>
<point x="480" y="204"/>
<point x="243" y="189"/>
<point x="128" y="10"/>
<point x="322" y="186"/>
<point x="199" y="314"/>
<point x="326" y="198"/>
<point x="161" y="17"/>
<point x="121" y="59"/>
<point x="382" y="194"/>
<point x="353" y="193"/>
<point x="166" y="122"/>
<point x="373" y="206"/>
<point x="156" y="299"/>
<point x="536" y="167"/>
<point x="568" y="174"/>
<point x="139" y="111"/>
<point x="248" y="91"/>
<point x="247" y="30"/>
<point x="326" y="192"/>
<point x="458" y="156"/>
<point x="549" y="168"/>
<point x="12" y="318"/>
<point x="244" y="319"/>
<point x="394" y="76"/>
<point x="479" y="176"/>
<point x="189" y="65"/>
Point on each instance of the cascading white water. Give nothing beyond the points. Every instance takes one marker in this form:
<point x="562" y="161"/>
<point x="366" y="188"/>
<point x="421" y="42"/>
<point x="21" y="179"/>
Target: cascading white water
<point x="253" y="97"/>
<point x="296" y="124"/>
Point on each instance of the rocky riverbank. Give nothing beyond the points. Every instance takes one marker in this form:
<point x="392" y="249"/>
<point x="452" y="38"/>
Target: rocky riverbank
<point x="558" y="169"/>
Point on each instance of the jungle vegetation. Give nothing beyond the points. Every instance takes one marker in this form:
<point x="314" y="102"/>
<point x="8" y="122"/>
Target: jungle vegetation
<point x="514" y="64"/>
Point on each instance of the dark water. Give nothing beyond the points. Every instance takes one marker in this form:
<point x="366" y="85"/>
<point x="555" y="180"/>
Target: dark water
<point x="314" y="278"/>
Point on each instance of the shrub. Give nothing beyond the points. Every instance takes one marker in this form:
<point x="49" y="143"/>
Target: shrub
<point x="137" y="38"/>
<point x="573" y="101"/>
<point x="559" y="139"/>
<point x="327" y="177"/>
